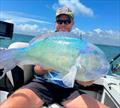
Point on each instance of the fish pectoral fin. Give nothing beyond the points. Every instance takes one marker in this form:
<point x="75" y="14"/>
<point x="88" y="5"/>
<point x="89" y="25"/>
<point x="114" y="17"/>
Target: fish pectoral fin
<point x="2" y="75"/>
<point x="8" y="67"/>
<point x="69" y="78"/>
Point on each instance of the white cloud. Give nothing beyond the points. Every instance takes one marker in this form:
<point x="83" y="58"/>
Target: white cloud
<point x="28" y="27"/>
<point x="18" y="17"/>
<point x="77" y="7"/>
<point x="9" y="20"/>
<point x="78" y="31"/>
<point x="98" y="30"/>
<point x="31" y="29"/>
<point x="23" y="23"/>
<point x="99" y="36"/>
<point x="114" y="34"/>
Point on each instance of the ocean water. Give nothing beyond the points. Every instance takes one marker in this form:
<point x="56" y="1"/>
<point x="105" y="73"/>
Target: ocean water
<point x="110" y="51"/>
<point x="16" y="38"/>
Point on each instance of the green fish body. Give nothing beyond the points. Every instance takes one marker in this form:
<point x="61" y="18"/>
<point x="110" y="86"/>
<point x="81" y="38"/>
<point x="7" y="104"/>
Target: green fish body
<point x="64" y="52"/>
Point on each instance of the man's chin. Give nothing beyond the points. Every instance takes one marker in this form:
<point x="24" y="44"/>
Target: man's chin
<point x="63" y="30"/>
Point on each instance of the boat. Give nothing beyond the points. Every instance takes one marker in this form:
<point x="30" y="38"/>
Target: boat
<point x="106" y="89"/>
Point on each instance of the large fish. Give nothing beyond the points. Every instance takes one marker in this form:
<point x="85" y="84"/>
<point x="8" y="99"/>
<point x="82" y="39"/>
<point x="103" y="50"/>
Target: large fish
<point x="64" y="52"/>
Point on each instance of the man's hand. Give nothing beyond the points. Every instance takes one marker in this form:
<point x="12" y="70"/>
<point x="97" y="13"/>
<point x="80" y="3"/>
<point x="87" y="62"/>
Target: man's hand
<point x="40" y="70"/>
<point x="85" y="83"/>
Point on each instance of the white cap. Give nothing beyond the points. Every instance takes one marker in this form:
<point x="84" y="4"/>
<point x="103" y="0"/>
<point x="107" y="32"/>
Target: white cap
<point x="65" y="10"/>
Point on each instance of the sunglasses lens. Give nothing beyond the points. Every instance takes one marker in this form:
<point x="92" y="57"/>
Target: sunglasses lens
<point x="59" y="21"/>
<point x="66" y="22"/>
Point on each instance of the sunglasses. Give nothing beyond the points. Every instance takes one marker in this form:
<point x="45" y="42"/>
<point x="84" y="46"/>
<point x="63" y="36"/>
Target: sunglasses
<point x="66" y="22"/>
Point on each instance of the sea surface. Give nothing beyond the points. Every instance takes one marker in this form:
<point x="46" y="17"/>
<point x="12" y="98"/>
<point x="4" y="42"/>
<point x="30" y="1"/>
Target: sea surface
<point x="110" y="51"/>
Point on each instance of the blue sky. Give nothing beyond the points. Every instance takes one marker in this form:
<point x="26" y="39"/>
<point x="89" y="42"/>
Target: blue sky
<point x="93" y="18"/>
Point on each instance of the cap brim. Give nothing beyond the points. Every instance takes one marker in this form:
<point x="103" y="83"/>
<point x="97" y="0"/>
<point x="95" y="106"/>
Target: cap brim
<point x="64" y="14"/>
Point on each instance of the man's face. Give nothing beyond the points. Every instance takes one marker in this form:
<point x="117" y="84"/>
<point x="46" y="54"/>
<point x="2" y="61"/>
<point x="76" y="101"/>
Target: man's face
<point x="64" y="23"/>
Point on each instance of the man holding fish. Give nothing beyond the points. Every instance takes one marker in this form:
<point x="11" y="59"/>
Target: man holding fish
<point x="44" y="89"/>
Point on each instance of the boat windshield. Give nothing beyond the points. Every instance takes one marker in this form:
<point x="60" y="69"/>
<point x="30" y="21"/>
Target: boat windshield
<point x="115" y="65"/>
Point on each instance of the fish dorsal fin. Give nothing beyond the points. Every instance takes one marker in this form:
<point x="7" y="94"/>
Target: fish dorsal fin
<point x="54" y="34"/>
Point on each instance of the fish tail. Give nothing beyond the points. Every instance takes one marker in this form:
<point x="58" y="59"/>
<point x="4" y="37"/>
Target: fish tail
<point x="8" y="60"/>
